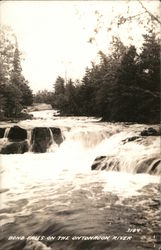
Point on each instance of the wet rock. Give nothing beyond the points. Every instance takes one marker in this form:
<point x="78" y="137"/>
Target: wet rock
<point x="41" y="139"/>
<point x="57" y="135"/>
<point x="133" y="138"/>
<point x="2" y="131"/>
<point x="150" y="166"/>
<point x="144" y="165"/>
<point x="156" y="168"/>
<point x="105" y="163"/>
<point x="17" y="134"/>
<point x="150" y="132"/>
<point x="15" y="148"/>
<point x="97" y="162"/>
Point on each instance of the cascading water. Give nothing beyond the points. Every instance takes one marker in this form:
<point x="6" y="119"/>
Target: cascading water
<point x="6" y="133"/>
<point x="53" y="146"/>
<point x="4" y="139"/>
<point x="29" y="135"/>
<point x="56" y="193"/>
<point x="38" y="140"/>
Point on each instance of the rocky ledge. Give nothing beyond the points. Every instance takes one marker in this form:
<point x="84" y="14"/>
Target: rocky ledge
<point x="18" y="140"/>
<point x="146" y="164"/>
<point x="151" y="165"/>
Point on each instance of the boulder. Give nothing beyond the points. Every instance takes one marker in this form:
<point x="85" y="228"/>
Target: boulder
<point x="57" y="135"/>
<point x="40" y="139"/>
<point x="15" y="148"/>
<point x="156" y="168"/>
<point x="150" y="132"/>
<point x="2" y="131"/>
<point x="98" y="162"/>
<point x="130" y="139"/>
<point x="17" y="134"/>
<point x="106" y="163"/>
<point x="143" y="165"/>
<point x="151" y="166"/>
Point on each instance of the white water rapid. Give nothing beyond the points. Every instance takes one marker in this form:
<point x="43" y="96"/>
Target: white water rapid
<point x="56" y="193"/>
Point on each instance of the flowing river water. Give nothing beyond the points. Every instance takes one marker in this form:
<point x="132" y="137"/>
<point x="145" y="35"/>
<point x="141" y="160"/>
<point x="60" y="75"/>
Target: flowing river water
<point x="54" y="200"/>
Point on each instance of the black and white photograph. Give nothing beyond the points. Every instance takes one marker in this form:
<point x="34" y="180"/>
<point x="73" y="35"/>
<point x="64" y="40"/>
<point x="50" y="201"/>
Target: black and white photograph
<point x="80" y="155"/>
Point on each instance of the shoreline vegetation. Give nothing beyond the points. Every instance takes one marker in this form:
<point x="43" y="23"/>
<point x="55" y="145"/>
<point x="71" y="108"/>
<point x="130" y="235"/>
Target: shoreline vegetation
<point x="15" y="93"/>
<point x="124" y="86"/>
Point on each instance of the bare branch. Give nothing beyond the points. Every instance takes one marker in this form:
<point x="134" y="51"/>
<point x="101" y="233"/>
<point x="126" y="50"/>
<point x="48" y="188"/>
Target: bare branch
<point x="122" y="20"/>
<point x="152" y="16"/>
<point x="130" y="17"/>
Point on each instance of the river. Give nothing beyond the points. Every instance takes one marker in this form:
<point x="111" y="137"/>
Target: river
<point x="54" y="200"/>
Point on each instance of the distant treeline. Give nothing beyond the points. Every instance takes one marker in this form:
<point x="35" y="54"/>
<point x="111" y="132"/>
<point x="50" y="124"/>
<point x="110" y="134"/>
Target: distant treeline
<point x="15" y="93"/>
<point x="123" y="87"/>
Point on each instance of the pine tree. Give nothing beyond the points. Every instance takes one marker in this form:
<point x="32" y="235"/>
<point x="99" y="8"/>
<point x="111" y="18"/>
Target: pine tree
<point x="14" y="90"/>
<point x="18" y="79"/>
<point x="148" y="75"/>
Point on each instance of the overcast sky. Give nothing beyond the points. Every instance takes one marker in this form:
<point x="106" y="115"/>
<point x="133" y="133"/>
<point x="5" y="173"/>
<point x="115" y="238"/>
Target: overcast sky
<point x="54" y="35"/>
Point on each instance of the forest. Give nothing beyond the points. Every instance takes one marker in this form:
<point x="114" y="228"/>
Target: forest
<point x="123" y="87"/>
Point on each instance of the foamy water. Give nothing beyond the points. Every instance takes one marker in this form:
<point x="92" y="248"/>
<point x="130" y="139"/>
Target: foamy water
<point x="56" y="193"/>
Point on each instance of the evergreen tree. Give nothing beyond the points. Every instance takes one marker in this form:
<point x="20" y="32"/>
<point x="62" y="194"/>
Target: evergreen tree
<point x="58" y="97"/>
<point x="59" y="85"/>
<point x="71" y="105"/>
<point x="13" y="97"/>
<point x="18" y="79"/>
<point x="14" y="90"/>
<point x="149" y="78"/>
<point x="43" y="96"/>
<point x="123" y="99"/>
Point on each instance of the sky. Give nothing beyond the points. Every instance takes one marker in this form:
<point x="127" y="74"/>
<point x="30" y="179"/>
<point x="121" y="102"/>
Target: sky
<point x="54" y="35"/>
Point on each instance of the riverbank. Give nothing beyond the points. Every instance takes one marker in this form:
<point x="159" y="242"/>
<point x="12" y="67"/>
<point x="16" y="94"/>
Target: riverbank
<point x="26" y="113"/>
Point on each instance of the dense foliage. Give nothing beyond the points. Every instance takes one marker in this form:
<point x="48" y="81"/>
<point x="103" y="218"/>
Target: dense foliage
<point x="43" y="96"/>
<point x="15" y="93"/>
<point x="123" y="86"/>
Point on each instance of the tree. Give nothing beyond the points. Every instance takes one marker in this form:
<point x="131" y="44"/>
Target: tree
<point x="70" y="105"/>
<point x="149" y="64"/>
<point x="15" y="92"/>
<point x="13" y="98"/>
<point x="6" y="59"/>
<point x="27" y="96"/>
<point x="7" y="47"/>
<point x="18" y="79"/>
<point x="58" y="97"/>
<point x="122" y="108"/>
<point x="147" y="17"/>
<point x="124" y="85"/>
<point x="43" y="96"/>
<point x="149" y="78"/>
<point x="109" y="67"/>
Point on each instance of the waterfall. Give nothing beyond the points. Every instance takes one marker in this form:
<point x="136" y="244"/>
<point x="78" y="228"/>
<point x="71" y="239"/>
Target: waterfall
<point x="4" y="140"/>
<point x="52" y="144"/>
<point x="74" y="170"/>
<point x="29" y="135"/>
<point x="141" y="156"/>
<point x="89" y="138"/>
<point x="42" y="139"/>
<point x="6" y="133"/>
<point x="97" y="147"/>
